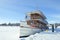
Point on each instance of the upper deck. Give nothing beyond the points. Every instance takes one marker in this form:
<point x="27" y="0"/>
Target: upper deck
<point x="36" y="15"/>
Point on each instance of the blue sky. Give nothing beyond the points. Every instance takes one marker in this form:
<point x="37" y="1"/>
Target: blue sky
<point x="15" y="10"/>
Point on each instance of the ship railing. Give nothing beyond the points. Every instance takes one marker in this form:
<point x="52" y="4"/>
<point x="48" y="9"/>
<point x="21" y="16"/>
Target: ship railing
<point x="44" y="21"/>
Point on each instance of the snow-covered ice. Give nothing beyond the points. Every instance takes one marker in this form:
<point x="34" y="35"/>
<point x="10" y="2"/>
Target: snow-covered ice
<point x="9" y="33"/>
<point x="45" y="35"/>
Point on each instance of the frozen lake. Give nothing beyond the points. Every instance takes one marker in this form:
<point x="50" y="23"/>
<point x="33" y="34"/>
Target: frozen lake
<point x="9" y="33"/>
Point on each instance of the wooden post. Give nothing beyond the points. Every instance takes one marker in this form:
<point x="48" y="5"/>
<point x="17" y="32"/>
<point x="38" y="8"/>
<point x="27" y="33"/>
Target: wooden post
<point x="52" y="28"/>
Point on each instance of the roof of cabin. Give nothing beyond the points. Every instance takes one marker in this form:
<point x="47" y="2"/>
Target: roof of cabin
<point x="38" y="12"/>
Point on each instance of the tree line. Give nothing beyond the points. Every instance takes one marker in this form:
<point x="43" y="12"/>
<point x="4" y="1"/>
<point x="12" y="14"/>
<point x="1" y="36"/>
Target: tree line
<point x="10" y="24"/>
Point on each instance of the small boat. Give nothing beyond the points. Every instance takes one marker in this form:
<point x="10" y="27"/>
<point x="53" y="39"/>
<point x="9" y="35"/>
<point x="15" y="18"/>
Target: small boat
<point x="35" y="22"/>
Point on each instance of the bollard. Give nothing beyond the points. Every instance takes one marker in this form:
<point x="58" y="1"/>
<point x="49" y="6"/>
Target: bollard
<point x="52" y="28"/>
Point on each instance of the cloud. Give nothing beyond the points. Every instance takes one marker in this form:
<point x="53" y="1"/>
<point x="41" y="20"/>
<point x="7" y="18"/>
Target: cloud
<point x="57" y="16"/>
<point x="53" y="18"/>
<point x="51" y="21"/>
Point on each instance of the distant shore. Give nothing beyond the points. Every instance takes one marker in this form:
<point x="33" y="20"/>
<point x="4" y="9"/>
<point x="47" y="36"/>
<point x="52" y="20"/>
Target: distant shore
<point x="10" y="24"/>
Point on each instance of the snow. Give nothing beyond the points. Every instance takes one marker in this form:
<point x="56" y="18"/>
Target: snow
<point x="46" y="35"/>
<point x="9" y="33"/>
